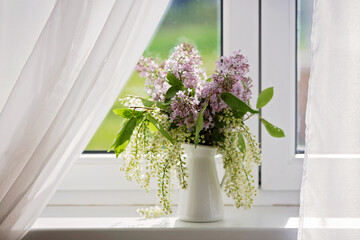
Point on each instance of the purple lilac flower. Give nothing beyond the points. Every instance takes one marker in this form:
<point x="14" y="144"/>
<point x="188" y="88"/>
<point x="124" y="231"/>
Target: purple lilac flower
<point x="185" y="63"/>
<point x="230" y="76"/>
<point x="184" y="110"/>
<point x="155" y="83"/>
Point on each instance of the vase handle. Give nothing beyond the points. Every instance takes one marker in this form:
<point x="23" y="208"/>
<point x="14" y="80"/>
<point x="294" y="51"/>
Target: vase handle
<point x="223" y="180"/>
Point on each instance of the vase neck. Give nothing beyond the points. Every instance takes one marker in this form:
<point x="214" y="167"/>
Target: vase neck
<point x="200" y="152"/>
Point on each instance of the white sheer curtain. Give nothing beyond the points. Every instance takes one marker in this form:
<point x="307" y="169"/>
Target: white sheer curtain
<point x="76" y="57"/>
<point x="330" y="197"/>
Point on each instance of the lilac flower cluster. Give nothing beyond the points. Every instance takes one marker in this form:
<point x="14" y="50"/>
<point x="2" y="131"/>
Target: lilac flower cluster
<point x="184" y="109"/>
<point x="185" y="63"/>
<point x="155" y="75"/>
<point x="230" y="76"/>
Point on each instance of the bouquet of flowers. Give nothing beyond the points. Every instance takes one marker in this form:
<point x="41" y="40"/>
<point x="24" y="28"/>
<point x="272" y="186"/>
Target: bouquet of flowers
<point x="187" y="106"/>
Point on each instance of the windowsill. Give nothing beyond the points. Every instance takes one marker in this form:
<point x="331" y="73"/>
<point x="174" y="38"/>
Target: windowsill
<point x="122" y="222"/>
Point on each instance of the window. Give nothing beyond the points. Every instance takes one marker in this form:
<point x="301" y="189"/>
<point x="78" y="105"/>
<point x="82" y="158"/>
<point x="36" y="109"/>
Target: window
<point x="304" y="22"/>
<point x="282" y="166"/>
<point x="272" y="35"/>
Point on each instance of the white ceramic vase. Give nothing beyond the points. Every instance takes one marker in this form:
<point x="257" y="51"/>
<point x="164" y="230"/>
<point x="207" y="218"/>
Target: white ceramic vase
<point x="202" y="200"/>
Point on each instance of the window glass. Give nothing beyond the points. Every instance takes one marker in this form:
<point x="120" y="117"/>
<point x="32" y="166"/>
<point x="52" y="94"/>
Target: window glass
<point x="197" y="21"/>
<point x="304" y="23"/>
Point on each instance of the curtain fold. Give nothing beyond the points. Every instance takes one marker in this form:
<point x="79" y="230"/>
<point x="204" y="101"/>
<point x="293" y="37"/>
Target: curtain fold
<point x="81" y="60"/>
<point x="19" y="30"/>
<point x="330" y="194"/>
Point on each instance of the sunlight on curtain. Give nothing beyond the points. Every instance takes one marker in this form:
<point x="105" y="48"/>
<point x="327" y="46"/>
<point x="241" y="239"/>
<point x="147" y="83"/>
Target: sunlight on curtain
<point x="330" y="195"/>
<point x="85" y="53"/>
<point x="19" y="31"/>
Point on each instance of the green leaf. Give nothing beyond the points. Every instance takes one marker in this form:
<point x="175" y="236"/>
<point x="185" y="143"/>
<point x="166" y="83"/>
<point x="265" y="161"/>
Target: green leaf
<point x="139" y="119"/>
<point x="241" y="143"/>
<point x="199" y="124"/>
<point x="163" y="106"/>
<point x="147" y="103"/>
<point x="273" y="130"/>
<point x="151" y="127"/>
<point x="237" y="104"/>
<point x="124" y="135"/>
<point x="160" y="128"/>
<point x="237" y="113"/>
<point x="173" y="80"/>
<point x="171" y="92"/>
<point x="127" y="112"/>
<point x="264" y="97"/>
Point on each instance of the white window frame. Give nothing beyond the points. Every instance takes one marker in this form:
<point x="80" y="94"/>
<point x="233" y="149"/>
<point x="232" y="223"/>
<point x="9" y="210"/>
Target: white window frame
<point x="95" y="179"/>
<point x="281" y="167"/>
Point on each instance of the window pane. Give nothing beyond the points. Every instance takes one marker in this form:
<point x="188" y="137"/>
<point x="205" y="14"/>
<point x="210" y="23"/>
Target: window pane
<point x="197" y="21"/>
<point x="304" y="22"/>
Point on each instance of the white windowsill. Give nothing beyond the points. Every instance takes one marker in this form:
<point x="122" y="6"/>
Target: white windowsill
<point x="122" y="222"/>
